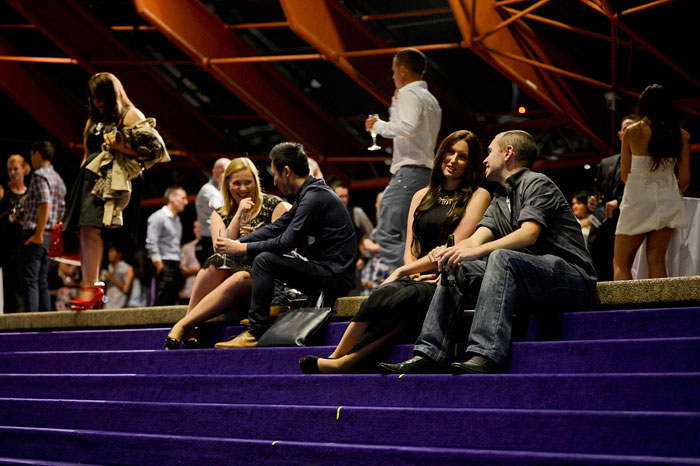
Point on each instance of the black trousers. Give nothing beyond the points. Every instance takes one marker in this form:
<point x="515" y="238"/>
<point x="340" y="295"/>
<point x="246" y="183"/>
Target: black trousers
<point x="296" y="272"/>
<point x="168" y="284"/>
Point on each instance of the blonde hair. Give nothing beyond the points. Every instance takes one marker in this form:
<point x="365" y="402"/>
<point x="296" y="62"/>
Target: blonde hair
<point x="16" y="158"/>
<point x="237" y="165"/>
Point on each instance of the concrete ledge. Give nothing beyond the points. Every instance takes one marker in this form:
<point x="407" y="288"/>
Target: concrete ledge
<point x="650" y="292"/>
<point x="133" y="317"/>
<point x="634" y="293"/>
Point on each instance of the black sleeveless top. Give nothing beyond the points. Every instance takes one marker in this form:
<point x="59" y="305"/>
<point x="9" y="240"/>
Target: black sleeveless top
<point x="428" y="226"/>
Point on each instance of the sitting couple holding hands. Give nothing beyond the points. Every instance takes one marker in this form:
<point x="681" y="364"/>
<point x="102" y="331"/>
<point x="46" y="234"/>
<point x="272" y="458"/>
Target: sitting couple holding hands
<point x="522" y="252"/>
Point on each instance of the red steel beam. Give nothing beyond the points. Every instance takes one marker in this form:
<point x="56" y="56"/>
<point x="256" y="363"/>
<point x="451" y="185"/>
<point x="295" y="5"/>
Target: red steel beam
<point x="568" y="27"/>
<point x="91" y="41"/>
<point x="515" y="17"/>
<point x="649" y="5"/>
<point x="525" y="64"/>
<point x="203" y="36"/>
<point x="29" y="88"/>
<point x="405" y="14"/>
<point x="332" y="32"/>
<point x="347" y="43"/>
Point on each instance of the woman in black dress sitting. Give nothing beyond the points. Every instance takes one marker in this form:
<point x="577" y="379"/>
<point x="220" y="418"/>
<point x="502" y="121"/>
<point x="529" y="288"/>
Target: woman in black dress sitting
<point x="109" y="110"/>
<point x="453" y="203"/>
<point x="224" y="282"/>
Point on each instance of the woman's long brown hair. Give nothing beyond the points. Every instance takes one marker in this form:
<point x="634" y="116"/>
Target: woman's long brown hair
<point x="107" y="86"/>
<point x="471" y="180"/>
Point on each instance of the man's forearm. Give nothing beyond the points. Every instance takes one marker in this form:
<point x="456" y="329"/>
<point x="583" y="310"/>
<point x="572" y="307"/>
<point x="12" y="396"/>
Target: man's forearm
<point x="42" y="218"/>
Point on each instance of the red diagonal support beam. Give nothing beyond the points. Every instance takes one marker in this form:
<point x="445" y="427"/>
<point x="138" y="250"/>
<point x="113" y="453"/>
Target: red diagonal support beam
<point x="81" y="37"/>
<point x="542" y="85"/>
<point x="203" y="36"/>
<point x="328" y="27"/>
<point x="41" y="99"/>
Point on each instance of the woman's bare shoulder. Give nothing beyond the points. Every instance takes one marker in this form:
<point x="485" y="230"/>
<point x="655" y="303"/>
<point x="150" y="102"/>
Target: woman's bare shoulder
<point x="685" y="135"/>
<point x="420" y="194"/>
<point x="133" y="116"/>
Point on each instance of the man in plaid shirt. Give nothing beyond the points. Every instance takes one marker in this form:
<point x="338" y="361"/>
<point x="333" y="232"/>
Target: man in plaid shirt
<point x="43" y="209"/>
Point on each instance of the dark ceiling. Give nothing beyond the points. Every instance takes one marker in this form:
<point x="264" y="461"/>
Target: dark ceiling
<point x="235" y="78"/>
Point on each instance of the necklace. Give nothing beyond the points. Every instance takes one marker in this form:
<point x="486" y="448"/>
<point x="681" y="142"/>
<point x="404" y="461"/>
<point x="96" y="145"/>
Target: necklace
<point x="447" y="198"/>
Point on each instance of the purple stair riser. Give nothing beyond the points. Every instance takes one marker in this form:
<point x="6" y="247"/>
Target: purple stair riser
<point x="120" y="339"/>
<point x="210" y="361"/>
<point x="615" y="325"/>
<point x="646" y="392"/>
<point x="31" y="462"/>
<point x="139" y="449"/>
<point x="597" y="325"/>
<point x="608" y="356"/>
<point x="552" y="431"/>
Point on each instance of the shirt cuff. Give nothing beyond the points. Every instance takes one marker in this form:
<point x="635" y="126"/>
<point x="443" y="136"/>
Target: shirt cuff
<point x="156" y="258"/>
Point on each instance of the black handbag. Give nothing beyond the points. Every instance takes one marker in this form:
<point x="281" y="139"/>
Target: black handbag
<point x="297" y="327"/>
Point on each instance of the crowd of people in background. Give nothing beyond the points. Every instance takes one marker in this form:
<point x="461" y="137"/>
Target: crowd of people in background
<point x="441" y="240"/>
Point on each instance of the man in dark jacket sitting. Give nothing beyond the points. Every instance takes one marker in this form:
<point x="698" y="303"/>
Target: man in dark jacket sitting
<point x="317" y="226"/>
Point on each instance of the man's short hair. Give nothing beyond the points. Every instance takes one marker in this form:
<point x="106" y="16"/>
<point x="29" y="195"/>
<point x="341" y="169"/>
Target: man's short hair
<point x="170" y="191"/>
<point x="335" y="184"/>
<point x="44" y="148"/>
<point x="524" y="146"/>
<point x="413" y="59"/>
<point x="292" y="155"/>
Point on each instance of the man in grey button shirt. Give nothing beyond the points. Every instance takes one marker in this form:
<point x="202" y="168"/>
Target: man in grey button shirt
<point x="527" y="254"/>
<point x="414" y="123"/>
<point x="208" y="200"/>
<point x="163" y="237"/>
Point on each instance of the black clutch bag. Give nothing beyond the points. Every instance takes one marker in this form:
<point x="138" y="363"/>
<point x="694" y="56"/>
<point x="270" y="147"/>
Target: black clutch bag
<point x="298" y="326"/>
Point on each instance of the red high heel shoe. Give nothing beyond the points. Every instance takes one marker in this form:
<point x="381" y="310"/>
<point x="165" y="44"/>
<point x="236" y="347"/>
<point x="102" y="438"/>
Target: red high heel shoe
<point x="96" y="302"/>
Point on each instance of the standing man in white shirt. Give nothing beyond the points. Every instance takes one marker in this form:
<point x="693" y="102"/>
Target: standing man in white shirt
<point x="208" y="200"/>
<point x="163" y="237"/>
<point x="414" y="123"/>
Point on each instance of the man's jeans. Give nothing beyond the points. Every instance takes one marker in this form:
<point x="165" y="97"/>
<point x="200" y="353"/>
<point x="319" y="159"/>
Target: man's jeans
<point x="507" y="281"/>
<point x="393" y="212"/>
<point x="296" y="272"/>
<point x="34" y="260"/>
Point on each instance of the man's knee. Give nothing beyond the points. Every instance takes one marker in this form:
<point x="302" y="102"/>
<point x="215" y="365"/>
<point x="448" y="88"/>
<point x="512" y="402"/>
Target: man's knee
<point x="265" y="260"/>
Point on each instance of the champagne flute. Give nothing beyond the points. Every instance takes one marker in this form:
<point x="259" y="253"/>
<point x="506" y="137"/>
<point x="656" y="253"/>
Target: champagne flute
<point x="225" y="265"/>
<point x="373" y="133"/>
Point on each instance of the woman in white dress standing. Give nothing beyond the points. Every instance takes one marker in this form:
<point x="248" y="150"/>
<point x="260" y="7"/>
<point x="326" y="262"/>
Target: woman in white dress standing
<point x="652" y="206"/>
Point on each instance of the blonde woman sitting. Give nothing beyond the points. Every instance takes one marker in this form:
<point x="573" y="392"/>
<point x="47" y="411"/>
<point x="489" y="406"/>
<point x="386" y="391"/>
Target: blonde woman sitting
<point x="224" y="282"/>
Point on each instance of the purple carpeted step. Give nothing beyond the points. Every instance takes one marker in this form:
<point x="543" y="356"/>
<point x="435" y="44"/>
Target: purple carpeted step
<point x="570" y="357"/>
<point x="32" y="462"/>
<point x="125" y="339"/>
<point x="607" y="356"/>
<point x="614" y="325"/>
<point x="596" y="325"/>
<point x="626" y="392"/>
<point x="143" y="449"/>
<point x="606" y="432"/>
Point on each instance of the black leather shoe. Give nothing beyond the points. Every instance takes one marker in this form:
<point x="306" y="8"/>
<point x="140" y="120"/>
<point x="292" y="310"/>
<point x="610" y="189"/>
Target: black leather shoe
<point x="477" y="364"/>
<point x="415" y="365"/>
<point x="171" y="343"/>
<point x="309" y="365"/>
